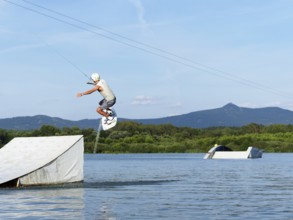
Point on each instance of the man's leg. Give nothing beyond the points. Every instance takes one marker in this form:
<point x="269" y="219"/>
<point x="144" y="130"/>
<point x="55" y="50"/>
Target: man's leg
<point x="101" y="112"/>
<point x="109" y="104"/>
<point x="102" y="109"/>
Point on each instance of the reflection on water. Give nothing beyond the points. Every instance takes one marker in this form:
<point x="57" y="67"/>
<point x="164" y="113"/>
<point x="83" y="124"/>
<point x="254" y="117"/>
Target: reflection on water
<point x="162" y="186"/>
<point x="42" y="203"/>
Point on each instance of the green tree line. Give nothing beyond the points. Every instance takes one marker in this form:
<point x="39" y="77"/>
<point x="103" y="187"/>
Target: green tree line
<point x="132" y="137"/>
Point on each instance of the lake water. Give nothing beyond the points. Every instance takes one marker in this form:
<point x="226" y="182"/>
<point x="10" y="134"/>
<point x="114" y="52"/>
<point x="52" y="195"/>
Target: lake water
<point x="163" y="186"/>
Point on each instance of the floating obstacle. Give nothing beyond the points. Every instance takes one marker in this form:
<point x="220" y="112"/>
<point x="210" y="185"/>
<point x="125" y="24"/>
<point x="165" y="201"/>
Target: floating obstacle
<point x="28" y="161"/>
<point x="224" y="152"/>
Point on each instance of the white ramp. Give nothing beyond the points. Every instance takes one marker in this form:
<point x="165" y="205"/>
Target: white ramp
<point x="42" y="161"/>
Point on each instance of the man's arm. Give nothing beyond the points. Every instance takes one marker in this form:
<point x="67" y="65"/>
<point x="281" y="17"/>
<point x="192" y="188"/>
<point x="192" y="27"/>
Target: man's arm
<point x="96" y="88"/>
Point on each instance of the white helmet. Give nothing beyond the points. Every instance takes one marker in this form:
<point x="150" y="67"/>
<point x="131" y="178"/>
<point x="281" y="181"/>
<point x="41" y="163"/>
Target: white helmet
<point x="95" y="77"/>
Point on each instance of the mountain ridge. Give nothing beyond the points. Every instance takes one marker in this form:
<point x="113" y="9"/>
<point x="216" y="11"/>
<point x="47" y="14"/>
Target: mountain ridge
<point x="230" y="115"/>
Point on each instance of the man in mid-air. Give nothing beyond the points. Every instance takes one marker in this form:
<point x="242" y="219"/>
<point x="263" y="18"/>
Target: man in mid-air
<point x="109" y="98"/>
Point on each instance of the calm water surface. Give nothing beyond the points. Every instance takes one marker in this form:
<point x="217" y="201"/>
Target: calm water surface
<point x="163" y="186"/>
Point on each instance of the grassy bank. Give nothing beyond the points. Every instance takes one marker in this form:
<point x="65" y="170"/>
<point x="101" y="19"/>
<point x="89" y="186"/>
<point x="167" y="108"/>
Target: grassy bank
<point x="131" y="137"/>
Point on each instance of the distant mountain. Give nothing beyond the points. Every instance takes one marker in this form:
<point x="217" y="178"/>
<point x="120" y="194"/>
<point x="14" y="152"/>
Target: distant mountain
<point x="228" y="115"/>
<point x="35" y="122"/>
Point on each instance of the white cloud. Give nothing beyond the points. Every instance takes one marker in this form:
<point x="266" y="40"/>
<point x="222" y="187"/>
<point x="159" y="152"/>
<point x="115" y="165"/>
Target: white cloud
<point x="3" y="30"/>
<point x="176" y="105"/>
<point x="2" y="4"/>
<point x="143" y="100"/>
<point x="21" y="47"/>
<point x="140" y="13"/>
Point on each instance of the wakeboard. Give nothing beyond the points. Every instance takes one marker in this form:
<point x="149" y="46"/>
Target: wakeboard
<point x="106" y="123"/>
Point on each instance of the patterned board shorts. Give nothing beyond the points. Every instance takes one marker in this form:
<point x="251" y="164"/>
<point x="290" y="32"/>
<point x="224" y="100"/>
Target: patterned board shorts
<point x="104" y="104"/>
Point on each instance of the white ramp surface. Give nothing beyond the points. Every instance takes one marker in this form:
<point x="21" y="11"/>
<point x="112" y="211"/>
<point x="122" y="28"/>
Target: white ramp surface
<point x="42" y="160"/>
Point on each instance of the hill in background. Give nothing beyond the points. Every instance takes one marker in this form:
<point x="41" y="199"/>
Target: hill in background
<point x="229" y="115"/>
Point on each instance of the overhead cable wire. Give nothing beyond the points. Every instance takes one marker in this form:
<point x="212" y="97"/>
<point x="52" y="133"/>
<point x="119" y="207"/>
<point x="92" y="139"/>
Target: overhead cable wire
<point x="73" y="64"/>
<point x="94" y="32"/>
<point x="65" y="58"/>
<point x="149" y="49"/>
<point x="134" y="41"/>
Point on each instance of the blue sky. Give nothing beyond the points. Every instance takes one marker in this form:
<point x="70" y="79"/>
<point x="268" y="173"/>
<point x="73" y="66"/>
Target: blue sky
<point x="160" y="57"/>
